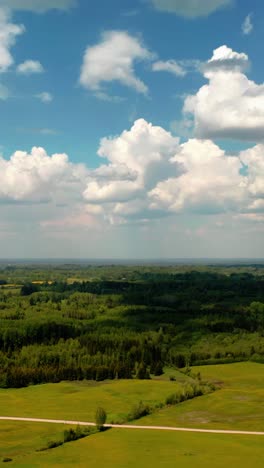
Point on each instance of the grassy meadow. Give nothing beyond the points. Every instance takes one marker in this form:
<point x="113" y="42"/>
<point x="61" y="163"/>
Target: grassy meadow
<point x="238" y="404"/>
<point x="120" y="448"/>
<point x="78" y="400"/>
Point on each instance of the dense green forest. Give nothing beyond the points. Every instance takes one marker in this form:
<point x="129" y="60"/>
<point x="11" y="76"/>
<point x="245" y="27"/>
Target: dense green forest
<point x="73" y="322"/>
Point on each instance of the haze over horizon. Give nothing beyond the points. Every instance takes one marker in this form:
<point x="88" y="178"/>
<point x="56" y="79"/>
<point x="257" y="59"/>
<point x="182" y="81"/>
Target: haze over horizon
<point x="131" y="129"/>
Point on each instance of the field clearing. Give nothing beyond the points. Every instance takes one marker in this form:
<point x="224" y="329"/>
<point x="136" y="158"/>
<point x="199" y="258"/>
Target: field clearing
<point x="79" y="400"/>
<point x="119" y="448"/>
<point x="239" y="404"/>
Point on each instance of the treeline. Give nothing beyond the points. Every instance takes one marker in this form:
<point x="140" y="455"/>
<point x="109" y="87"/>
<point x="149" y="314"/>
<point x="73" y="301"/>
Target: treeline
<point x="121" y="329"/>
<point x="201" y="287"/>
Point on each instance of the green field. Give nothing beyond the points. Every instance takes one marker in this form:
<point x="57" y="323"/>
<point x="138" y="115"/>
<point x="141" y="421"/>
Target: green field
<point x="19" y="440"/>
<point x="79" y="400"/>
<point x="238" y="404"/>
<point x="128" y="448"/>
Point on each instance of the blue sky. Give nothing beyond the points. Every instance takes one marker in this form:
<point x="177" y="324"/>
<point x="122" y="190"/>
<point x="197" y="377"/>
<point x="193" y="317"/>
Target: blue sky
<point x="147" y="119"/>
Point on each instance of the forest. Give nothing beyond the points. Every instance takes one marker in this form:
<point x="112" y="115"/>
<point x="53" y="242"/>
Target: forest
<point x="98" y="322"/>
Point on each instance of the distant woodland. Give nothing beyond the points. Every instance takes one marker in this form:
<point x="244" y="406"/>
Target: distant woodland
<point x="74" y="322"/>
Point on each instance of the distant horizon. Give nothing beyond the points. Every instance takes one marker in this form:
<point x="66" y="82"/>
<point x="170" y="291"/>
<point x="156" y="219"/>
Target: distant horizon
<point x="137" y="261"/>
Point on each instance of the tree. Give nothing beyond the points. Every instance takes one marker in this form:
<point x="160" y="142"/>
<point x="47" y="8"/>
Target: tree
<point x="29" y="288"/>
<point x="142" y="372"/>
<point x="100" y="418"/>
<point x="158" y="369"/>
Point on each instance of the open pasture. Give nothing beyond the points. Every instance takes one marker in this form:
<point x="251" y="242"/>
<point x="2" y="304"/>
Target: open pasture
<point x="121" y="448"/>
<point x="79" y="400"/>
<point x="238" y="404"/>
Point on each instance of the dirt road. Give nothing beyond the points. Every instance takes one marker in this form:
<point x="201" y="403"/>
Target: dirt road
<point x="130" y="426"/>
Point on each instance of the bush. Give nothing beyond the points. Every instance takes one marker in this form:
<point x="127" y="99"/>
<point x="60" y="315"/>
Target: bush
<point x="53" y="444"/>
<point x="78" y="433"/>
<point x="188" y="392"/>
<point x="69" y="436"/>
<point x="7" y="459"/>
<point x="139" y="411"/>
<point x="173" y="399"/>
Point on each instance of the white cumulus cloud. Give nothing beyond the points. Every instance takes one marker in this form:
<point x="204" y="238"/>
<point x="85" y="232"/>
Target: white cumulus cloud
<point x="226" y="59"/>
<point x="30" y="66"/>
<point x="137" y="160"/>
<point x="253" y="159"/>
<point x="230" y="105"/>
<point x="38" y="177"/>
<point x="113" y="59"/>
<point x="147" y="175"/>
<point x="190" y="8"/>
<point x="211" y="182"/>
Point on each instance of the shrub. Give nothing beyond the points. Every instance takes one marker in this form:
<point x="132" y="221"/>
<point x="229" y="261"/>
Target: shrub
<point x="188" y="392"/>
<point x="53" y="444"/>
<point x="173" y="399"/>
<point x="78" y="433"/>
<point x="139" y="410"/>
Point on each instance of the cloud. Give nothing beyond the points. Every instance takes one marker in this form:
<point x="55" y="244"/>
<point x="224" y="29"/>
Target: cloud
<point x="170" y="66"/>
<point x="247" y="25"/>
<point x="211" y="182"/>
<point x="190" y="8"/>
<point x="102" y="96"/>
<point x="30" y="67"/>
<point x="253" y="159"/>
<point x="113" y="59"/>
<point x="36" y="177"/>
<point x="137" y="160"/>
<point x="226" y="59"/>
<point x="8" y="34"/>
<point x="45" y="97"/>
<point x="38" y="6"/>
<point x="46" y="131"/>
<point x="230" y="105"/>
<point x="149" y="175"/>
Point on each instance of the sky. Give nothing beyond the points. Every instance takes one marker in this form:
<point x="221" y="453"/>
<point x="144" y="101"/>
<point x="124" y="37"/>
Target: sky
<point x="131" y="129"/>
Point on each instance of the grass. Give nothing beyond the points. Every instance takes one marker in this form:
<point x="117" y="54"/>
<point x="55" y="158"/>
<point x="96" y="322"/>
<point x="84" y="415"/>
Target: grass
<point x="126" y="448"/>
<point x="237" y="405"/>
<point x="79" y="400"/>
<point x="19" y="439"/>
